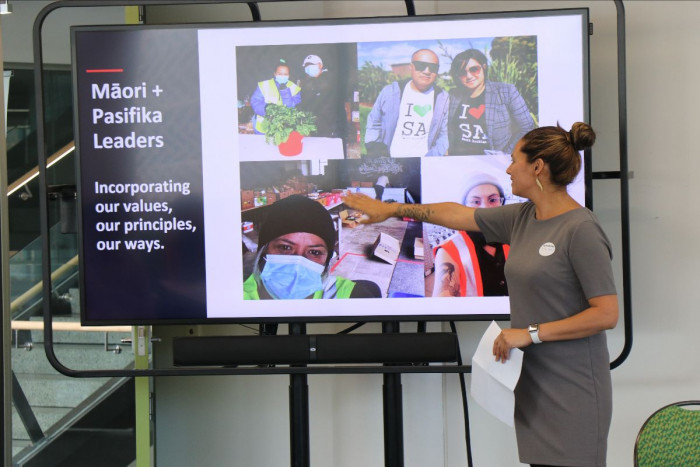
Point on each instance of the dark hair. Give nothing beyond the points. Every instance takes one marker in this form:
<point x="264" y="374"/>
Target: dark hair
<point x="559" y="148"/>
<point x="461" y="60"/>
<point x="281" y="62"/>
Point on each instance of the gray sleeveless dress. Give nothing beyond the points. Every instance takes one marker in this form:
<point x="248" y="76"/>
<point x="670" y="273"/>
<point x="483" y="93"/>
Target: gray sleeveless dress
<point x="563" y="400"/>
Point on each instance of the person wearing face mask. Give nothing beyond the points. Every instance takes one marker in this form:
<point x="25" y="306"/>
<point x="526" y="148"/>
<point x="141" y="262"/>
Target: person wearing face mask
<point x="465" y="264"/>
<point x="322" y="98"/>
<point x="295" y="247"/>
<point x="278" y="90"/>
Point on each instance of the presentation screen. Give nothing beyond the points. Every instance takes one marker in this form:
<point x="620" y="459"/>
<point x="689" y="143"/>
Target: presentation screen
<point x="213" y="161"/>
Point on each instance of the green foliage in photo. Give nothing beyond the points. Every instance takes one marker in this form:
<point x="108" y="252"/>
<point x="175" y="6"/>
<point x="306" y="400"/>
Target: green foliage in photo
<point x="364" y="112"/>
<point x="514" y="61"/>
<point x="280" y="121"/>
<point x="372" y="79"/>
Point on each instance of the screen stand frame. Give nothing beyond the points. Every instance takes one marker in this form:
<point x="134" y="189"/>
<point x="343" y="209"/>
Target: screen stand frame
<point x="623" y="174"/>
<point x="393" y="409"/>
<point x="299" y="411"/>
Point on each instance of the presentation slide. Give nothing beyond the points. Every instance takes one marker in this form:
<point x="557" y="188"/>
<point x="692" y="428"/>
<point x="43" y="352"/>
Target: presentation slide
<point x="213" y="161"/>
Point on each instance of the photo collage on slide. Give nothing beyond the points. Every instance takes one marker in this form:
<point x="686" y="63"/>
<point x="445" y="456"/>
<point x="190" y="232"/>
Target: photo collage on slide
<point x="411" y="121"/>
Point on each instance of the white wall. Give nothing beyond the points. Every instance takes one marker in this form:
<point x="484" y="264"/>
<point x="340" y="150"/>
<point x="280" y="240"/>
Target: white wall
<point x="664" y="363"/>
<point x="243" y="421"/>
<point x="17" y="30"/>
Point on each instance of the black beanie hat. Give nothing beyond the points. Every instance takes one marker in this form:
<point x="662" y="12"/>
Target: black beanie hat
<point x="298" y="213"/>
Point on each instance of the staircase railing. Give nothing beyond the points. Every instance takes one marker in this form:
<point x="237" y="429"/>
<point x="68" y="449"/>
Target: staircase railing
<point x="26" y="299"/>
<point x="34" y="172"/>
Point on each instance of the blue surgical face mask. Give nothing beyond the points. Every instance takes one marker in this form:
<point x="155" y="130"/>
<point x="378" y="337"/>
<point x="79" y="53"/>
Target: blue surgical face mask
<point x="312" y="70"/>
<point x="291" y="276"/>
<point x="281" y="79"/>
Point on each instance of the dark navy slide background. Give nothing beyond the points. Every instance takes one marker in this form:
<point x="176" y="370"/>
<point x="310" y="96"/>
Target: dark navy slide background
<point x="122" y="284"/>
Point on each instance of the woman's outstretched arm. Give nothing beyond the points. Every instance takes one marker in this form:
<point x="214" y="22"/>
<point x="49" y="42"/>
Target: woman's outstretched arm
<point x="450" y="215"/>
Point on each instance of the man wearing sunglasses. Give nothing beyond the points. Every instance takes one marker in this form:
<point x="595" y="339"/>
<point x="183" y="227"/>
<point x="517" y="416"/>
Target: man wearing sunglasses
<point x="409" y="118"/>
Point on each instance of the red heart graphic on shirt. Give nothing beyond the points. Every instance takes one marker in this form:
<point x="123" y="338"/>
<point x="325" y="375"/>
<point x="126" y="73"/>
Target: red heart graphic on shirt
<point x="477" y="112"/>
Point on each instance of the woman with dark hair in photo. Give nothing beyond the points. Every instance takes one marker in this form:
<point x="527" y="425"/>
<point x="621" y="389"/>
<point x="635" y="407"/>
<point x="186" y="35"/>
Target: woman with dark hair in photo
<point x="295" y="248"/>
<point x="484" y="116"/>
<point x="278" y="90"/>
<point x="562" y="296"/>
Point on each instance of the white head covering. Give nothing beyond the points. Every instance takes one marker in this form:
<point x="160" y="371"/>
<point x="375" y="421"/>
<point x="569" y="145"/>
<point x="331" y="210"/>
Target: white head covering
<point x="481" y="178"/>
<point x="312" y="60"/>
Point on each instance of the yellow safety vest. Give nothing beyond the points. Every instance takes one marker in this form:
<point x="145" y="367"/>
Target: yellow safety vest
<point x="269" y="90"/>
<point x="341" y="289"/>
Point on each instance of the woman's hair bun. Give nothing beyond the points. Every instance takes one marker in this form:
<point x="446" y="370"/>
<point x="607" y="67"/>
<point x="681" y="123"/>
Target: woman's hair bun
<point x="582" y="136"/>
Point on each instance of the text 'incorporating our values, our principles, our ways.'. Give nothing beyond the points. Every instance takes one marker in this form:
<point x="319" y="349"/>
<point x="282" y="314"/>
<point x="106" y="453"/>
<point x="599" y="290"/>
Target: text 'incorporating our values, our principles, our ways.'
<point x="143" y="216"/>
<point x="133" y="215"/>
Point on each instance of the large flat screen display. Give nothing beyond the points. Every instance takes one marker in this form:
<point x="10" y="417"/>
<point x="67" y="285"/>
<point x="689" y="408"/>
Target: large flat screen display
<point x="213" y="162"/>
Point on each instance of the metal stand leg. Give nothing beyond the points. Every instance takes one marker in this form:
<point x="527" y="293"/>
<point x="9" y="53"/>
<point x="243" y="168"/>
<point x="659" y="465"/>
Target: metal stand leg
<point x="393" y="412"/>
<point x="299" y="411"/>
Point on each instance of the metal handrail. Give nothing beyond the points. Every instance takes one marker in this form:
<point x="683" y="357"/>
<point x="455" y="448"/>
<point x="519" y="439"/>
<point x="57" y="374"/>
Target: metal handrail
<point x="33" y="173"/>
<point x="65" y="326"/>
<point x="36" y="289"/>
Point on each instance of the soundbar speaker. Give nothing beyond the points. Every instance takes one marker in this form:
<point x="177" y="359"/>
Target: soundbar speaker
<point x="322" y="348"/>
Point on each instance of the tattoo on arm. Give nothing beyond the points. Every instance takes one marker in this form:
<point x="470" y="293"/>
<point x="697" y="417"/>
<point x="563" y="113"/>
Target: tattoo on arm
<point x="418" y="212"/>
<point x="448" y="279"/>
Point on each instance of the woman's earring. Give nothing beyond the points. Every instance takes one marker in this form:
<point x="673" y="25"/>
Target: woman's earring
<point x="539" y="184"/>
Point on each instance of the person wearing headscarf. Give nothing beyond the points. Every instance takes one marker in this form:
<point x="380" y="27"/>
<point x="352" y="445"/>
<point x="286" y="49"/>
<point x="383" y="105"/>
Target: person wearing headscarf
<point x="295" y="247"/>
<point x="466" y="265"/>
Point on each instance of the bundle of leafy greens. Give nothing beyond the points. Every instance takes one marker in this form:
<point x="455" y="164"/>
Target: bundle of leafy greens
<point x="280" y="121"/>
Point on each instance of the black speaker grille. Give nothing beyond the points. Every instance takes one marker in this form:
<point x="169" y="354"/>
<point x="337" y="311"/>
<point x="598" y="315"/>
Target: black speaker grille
<point x="323" y="348"/>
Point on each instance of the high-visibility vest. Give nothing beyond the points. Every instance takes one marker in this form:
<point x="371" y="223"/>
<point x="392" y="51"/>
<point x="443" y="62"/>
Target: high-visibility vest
<point x="339" y="288"/>
<point x="461" y="246"/>
<point x="271" y="93"/>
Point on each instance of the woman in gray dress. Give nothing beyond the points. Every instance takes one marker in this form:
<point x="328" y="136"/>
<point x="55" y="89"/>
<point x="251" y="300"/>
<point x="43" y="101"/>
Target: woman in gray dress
<point x="562" y="296"/>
